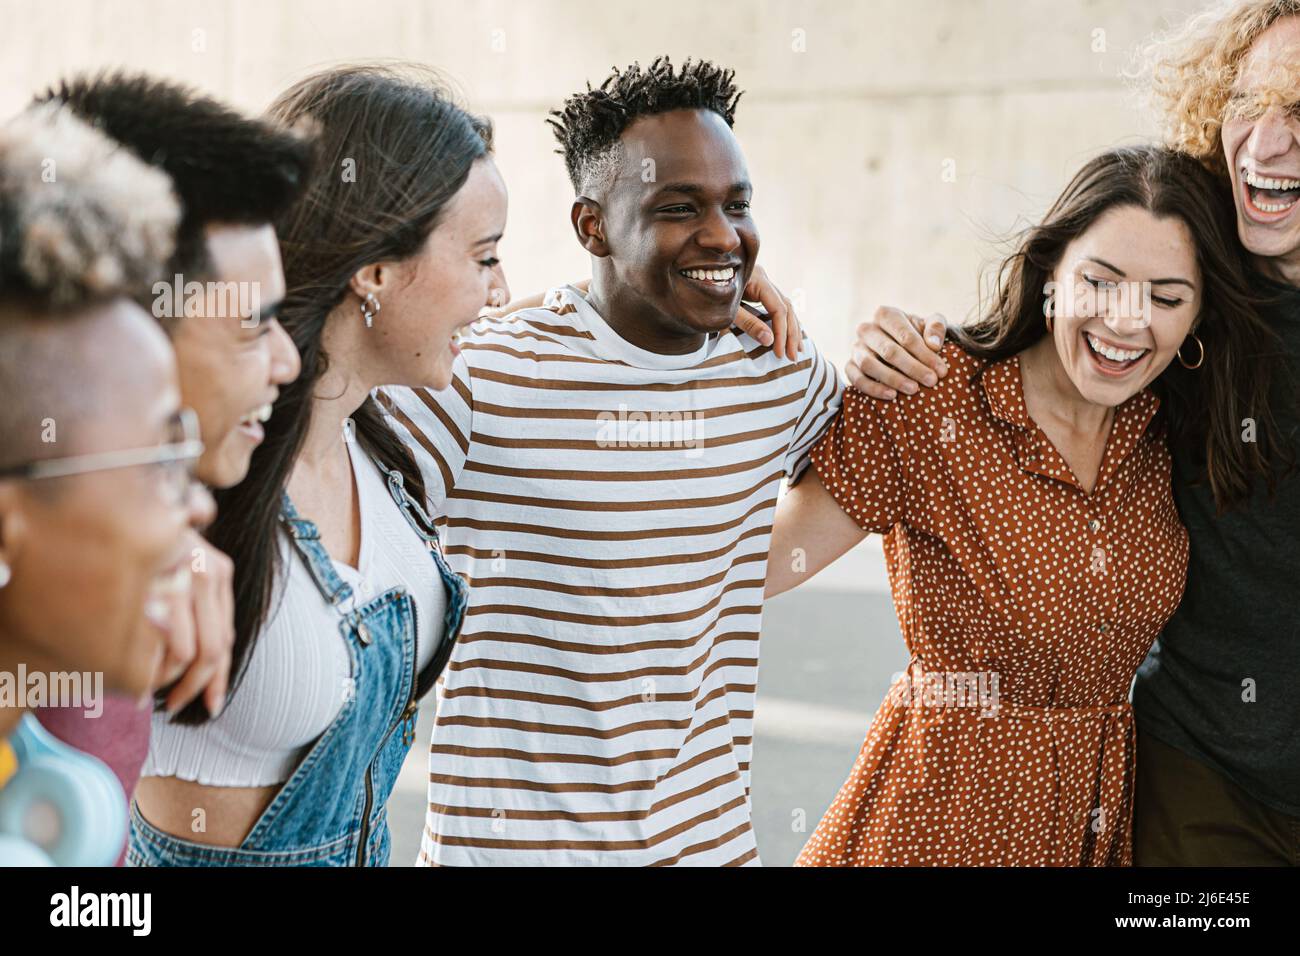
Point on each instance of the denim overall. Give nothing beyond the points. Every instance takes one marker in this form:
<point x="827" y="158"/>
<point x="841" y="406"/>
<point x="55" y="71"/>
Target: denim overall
<point x="333" y="809"/>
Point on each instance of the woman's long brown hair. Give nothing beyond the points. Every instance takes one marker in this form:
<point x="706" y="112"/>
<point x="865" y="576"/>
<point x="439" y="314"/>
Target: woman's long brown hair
<point x="412" y="149"/>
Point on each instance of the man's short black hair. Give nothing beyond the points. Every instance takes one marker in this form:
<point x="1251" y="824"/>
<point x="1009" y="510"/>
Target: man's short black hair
<point x="590" y="124"/>
<point x="225" y="167"/>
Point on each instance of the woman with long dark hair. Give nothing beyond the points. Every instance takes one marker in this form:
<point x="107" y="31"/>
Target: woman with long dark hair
<point x="1032" y="542"/>
<point x="345" y="608"/>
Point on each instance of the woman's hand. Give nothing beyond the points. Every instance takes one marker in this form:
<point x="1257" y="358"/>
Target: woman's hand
<point x="896" y="352"/>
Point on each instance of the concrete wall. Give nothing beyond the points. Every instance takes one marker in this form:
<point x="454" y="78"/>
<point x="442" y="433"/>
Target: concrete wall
<point x="889" y="140"/>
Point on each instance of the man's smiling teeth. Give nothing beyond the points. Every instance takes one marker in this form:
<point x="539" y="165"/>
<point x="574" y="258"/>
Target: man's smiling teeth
<point x="710" y="275"/>
<point x="257" y="415"/>
<point x="1115" y="355"/>
<point x="1265" y="182"/>
<point x="1273" y="184"/>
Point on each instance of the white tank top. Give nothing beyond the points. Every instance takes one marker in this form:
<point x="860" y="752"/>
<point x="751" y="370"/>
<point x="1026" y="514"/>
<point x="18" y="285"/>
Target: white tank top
<point x="295" y="681"/>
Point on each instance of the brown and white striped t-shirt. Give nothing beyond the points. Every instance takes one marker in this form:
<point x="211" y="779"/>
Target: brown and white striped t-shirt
<point x="611" y="508"/>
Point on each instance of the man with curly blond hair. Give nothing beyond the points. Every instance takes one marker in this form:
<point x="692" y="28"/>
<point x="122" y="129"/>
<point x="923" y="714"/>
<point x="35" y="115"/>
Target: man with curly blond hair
<point x="1218" y="769"/>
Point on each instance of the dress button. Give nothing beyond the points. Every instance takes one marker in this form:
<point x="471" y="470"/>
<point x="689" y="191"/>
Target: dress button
<point x="1103" y="628"/>
<point x="1094" y="525"/>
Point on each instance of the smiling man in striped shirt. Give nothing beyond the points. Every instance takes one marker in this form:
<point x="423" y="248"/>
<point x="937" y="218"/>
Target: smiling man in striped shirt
<point x="607" y="467"/>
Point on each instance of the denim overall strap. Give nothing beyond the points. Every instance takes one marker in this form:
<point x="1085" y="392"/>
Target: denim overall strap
<point x="456" y="587"/>
<point x="333" y="809"/>
<point x="306" y="538"/>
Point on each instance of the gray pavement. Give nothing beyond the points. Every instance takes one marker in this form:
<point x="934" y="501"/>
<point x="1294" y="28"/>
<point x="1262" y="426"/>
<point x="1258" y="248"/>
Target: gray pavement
<point x="827" y="659"/>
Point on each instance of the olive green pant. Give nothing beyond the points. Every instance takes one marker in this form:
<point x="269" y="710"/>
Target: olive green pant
<point x="1187" y="814"/>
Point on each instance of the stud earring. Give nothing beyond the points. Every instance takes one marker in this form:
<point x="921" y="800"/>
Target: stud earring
<point x="5" y="573"/>
<point x="369" y="309"/>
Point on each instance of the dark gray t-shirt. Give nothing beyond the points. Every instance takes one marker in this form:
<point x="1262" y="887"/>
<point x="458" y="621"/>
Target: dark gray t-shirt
<point x="1238" y="626"/>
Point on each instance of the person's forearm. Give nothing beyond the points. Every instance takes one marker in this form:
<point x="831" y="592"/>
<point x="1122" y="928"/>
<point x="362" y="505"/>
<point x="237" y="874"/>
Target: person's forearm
<point x="533" y="301"/>
<point x="809" y="532"/>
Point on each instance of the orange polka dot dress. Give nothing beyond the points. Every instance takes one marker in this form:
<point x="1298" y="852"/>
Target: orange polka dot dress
<point x="1027" y="605"/>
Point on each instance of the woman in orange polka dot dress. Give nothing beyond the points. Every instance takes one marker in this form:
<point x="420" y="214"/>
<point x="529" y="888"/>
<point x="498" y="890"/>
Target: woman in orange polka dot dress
<point x="1033" y="547"/>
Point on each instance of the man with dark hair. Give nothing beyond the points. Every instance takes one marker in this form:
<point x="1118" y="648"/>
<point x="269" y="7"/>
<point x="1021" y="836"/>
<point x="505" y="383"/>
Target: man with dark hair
<point x="590" y="126"/>
<point x="234" y="176"/>
<point x="608" y="466"/>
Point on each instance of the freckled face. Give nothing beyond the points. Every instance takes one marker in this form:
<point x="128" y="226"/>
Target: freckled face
<point x="444" y="287"/>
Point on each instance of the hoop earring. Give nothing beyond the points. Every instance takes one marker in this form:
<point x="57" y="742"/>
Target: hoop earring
<point x="1199" y="344"/>
<point x="1049" y="312"/>
<point x="5" y="573"/>
<point x="369" y="309"/>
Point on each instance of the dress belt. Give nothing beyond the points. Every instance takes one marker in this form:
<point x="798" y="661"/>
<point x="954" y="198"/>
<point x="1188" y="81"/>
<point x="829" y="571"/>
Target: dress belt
<point x="1104" y="842"/>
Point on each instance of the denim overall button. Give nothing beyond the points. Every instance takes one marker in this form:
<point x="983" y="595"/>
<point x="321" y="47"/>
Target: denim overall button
<point x="363" y="633"/>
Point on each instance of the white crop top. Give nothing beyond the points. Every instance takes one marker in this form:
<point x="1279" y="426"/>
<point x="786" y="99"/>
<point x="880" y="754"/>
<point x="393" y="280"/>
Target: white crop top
<point x="294" y="684"/>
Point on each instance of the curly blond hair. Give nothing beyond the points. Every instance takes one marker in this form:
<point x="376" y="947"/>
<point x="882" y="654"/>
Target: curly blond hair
<point x="81" y="218"/>
<point x="1189" y="75"/>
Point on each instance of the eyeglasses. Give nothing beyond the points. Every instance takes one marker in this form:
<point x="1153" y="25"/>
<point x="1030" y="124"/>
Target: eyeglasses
<point x="177" y="456"/>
